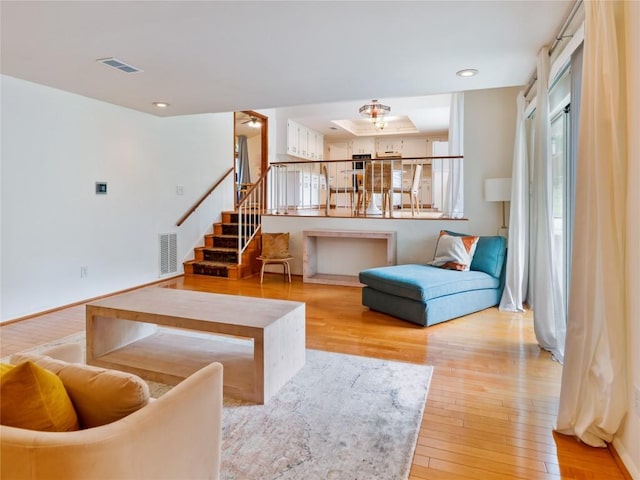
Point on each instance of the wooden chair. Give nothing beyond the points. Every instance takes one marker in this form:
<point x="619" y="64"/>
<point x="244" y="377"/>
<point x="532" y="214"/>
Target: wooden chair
<point x="286" y="269"/>
<point x="334" y="190"/>
<point x="414" y="192"/>
<point x="378" y="178"/>
<point x="275" y="250"/>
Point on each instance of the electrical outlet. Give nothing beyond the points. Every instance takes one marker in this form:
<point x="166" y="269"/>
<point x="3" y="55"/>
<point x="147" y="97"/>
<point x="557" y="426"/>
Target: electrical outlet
<point x="84" y="271"/>
<point x="179" y="189"/>
<point x="636" y="399"/>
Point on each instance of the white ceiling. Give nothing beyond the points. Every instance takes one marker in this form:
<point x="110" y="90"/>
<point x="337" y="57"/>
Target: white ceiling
<point x="223" y="56"/>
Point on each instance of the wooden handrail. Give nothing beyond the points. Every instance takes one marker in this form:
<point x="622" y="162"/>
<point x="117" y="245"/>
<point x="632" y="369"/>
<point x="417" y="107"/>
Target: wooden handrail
<point x="203" y="198"/>
<point x="310" y="162"/>
<point x="255" y="185"/>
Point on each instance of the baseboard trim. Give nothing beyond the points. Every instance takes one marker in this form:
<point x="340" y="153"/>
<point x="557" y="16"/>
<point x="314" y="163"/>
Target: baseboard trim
<point x="623" y="459"/>
<point x="93" y="299"/>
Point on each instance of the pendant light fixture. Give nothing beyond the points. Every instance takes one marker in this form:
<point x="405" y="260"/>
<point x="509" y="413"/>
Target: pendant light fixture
<point x="376" y="112"/>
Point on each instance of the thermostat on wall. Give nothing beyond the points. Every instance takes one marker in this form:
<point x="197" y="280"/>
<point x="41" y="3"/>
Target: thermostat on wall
<point x="101" y="188"/>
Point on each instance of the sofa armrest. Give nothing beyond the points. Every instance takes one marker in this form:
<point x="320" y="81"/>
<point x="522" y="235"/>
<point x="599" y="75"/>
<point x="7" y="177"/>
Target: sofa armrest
<point x="177" y="436"/>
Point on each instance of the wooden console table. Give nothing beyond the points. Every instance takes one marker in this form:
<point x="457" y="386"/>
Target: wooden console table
<point x="310" y="272"/>
<point x="260" y="342"/>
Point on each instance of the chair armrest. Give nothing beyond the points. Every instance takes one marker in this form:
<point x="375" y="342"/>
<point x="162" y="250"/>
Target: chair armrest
<point x="68" y="352"/>
<point x="177" y="436"/>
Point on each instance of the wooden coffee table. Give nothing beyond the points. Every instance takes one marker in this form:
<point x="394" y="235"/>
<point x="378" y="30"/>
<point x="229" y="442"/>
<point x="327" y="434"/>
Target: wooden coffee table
<point x="165" y="335"/>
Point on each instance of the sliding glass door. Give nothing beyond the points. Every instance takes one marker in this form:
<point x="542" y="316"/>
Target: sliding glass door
<point x="561" y="194"/>
<point x="559" y="161"/>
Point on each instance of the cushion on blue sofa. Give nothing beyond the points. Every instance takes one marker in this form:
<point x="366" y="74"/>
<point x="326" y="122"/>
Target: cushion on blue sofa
<point x="424" y="282"/>
<point x="490" y="254"/>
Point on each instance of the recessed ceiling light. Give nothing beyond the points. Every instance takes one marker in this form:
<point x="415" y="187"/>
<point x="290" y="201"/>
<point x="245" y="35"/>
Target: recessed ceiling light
<point x="467" y="72"/>
<point x="333" y="128"/>
<point x="161" y="104"/>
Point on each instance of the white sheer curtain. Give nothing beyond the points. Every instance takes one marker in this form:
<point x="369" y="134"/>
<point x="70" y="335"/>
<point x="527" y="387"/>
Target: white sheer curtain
<point x="515" y="289"/>
<point x="593" y="399"/>
<point x="453" y="206"/>
<point x="572" y="160"/>
<point x="545" y="292"/>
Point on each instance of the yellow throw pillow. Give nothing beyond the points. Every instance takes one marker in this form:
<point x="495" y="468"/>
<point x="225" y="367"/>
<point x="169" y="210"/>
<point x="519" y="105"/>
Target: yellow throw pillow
<point x="34" y="398"/>
<point x="275" y="245"/>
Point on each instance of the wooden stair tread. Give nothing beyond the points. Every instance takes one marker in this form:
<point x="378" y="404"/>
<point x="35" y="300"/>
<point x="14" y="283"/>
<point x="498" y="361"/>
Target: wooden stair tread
<point x="210" y="263"/>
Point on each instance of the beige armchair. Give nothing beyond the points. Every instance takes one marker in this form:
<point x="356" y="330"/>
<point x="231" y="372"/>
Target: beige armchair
<point x="175" y="436"/>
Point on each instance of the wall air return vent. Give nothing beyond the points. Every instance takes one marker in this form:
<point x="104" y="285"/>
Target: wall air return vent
<point x="168" y="253"/>
<point x="119" y="65"/>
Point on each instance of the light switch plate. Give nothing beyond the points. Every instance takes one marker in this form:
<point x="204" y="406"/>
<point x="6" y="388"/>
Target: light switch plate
<point x="101" y="188"/>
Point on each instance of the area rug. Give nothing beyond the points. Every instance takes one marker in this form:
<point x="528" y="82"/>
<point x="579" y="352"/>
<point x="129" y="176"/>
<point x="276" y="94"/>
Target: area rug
<point x="341" y="417"/>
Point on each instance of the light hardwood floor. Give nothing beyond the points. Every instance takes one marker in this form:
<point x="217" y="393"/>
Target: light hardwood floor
<point x="493" y="398"/>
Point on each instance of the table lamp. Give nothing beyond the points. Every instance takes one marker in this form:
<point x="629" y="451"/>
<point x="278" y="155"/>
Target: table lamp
<point x="498" y="190"/>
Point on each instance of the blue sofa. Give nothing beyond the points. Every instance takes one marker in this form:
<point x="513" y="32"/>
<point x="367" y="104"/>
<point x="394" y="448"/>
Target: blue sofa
<point x="429" y="295"/>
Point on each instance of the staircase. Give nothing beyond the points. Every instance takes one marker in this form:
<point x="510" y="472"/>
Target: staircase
<point x="219" y="256"/>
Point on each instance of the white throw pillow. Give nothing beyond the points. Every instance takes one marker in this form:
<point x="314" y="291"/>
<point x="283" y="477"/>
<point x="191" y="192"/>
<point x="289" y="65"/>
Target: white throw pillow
<point x="454" y="253"/>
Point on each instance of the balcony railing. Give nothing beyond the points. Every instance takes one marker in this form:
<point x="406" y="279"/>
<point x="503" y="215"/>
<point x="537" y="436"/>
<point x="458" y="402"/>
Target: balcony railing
<point x="384" y="188"/>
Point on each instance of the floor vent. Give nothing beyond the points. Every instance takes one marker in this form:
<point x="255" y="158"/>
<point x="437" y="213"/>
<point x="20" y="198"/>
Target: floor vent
<point x="168" y="253"/>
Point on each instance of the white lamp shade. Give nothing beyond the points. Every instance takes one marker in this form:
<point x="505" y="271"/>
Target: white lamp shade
<point x="497" y="190"/>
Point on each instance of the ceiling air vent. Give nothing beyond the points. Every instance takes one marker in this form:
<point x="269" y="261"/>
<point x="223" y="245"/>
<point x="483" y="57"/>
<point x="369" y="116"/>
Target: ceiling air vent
<point x="119" y="65"/>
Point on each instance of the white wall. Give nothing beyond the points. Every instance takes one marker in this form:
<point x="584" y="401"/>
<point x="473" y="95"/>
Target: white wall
<point x="55" y="146"/>
<point x="490" y="117"/>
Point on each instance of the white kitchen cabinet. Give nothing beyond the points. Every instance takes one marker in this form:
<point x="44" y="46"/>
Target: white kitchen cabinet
<point x="388" y="145"/>
<point x="293" y="142"/>
<point x="425" y="191"/>
<point x="363" y="145"/>
<point x="315" y="145"/>
<point x="303" y="189"/>
<point x="304" y="142"/>
<point x="319" y="146"/>
<point x="311" y="144"/>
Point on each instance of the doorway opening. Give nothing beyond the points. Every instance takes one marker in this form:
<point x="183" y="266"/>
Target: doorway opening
<point x="251" y="133"/>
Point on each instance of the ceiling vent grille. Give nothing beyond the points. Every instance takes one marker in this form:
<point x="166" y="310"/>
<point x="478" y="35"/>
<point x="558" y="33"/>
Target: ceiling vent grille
<point x="168" y="253"/>
<point x="119" y="65"/>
